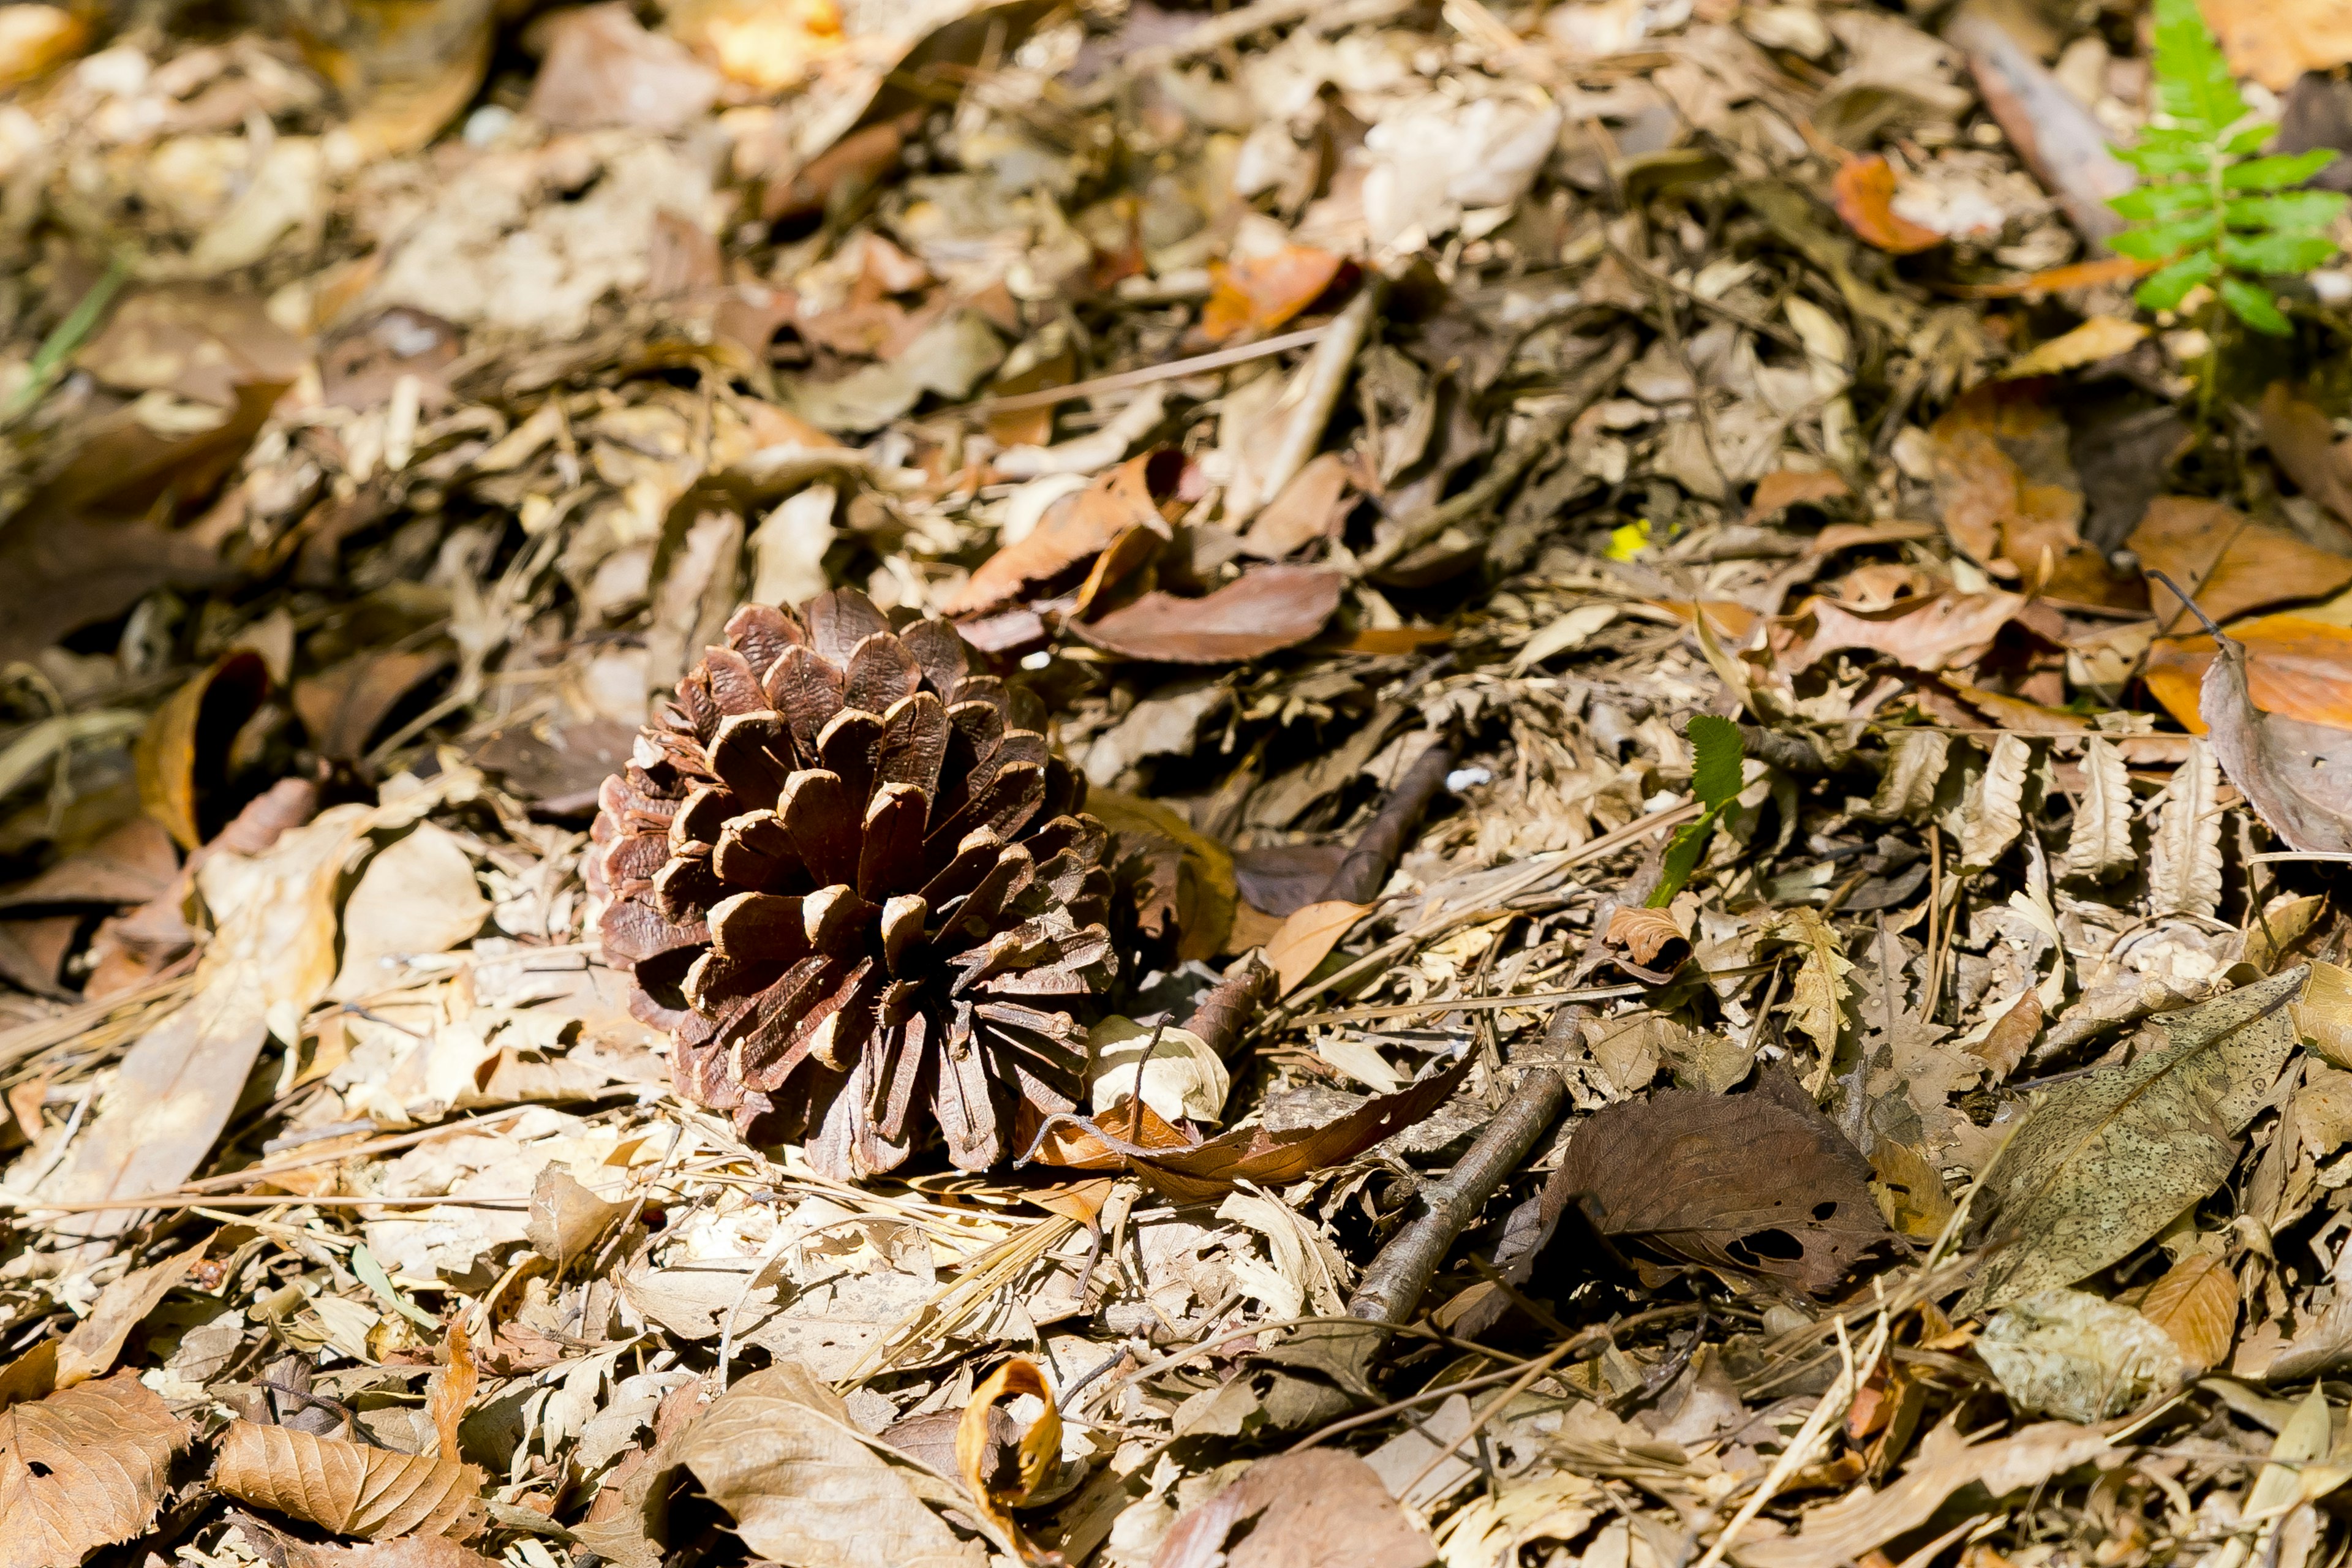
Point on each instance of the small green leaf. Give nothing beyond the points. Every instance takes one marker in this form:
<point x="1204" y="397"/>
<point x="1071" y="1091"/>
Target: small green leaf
<point x="371" y="1274"/>
<point x="1716" y="754"/>
<point x="1681" y="859"/>
<point x="2164" y="289"/>
<point x="2252" y="304"/>
<point x="2161" y="239"/>
<point x="2249" y="138"/>
<point x="2193" y="81"/>
<point x="2274" y="254"/>
<point x="2144" y="204"/>
<point x="2162" y="158"/>
<point x="2311" y="211"/>
<point x="2278" y="173"/>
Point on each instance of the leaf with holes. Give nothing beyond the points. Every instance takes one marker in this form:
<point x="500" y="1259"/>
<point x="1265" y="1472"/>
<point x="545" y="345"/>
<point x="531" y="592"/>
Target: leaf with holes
<point x="82" y="1468"/>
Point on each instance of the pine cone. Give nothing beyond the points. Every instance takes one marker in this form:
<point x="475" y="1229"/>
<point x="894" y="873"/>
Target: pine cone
<point x="857" y="891"/>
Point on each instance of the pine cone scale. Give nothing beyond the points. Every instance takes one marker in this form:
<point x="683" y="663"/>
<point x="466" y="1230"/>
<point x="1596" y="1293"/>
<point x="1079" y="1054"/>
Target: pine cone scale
<point x="834" y="843"/>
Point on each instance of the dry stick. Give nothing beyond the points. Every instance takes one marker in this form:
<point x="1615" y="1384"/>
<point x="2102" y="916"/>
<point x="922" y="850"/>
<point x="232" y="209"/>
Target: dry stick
<point x="1319" y="381"/>
<point x="1217" y="33"/>
<point x="1366" y="870"/>
<point x="1392" y="1288"/>
<point x="1833" y="1406"/>
<point x="1174" y="370"/>
<point x="1541" y="439"/>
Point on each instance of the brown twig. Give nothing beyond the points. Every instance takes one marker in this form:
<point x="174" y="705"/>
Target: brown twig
<point x="1392" y="1287"/>
<point x="1366" y="870"/>
<point x="1227" y="1008"/>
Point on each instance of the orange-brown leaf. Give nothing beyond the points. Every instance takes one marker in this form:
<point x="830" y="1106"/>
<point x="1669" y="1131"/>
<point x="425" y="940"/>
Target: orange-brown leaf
<point x="1259" y="294"/>
<point x="2303" y="440"/>
<point x="1074" y="531"/>
<point x="451" y="1388"/>
<point x="1258" y="613"/>
<point x="81" y="1470"/>
<point x="1041" y="1446"/>
<point x="2298" y="667"/>
<point x="1781" y="488"/>
<point x="1307" y="939"/>
<point x="347" y="1488"/>
<point x="1863" y="192"/>
<point x="1646" y="934"/>
<point x="2232" y="565"/>
<point x="2196" y="1302"/>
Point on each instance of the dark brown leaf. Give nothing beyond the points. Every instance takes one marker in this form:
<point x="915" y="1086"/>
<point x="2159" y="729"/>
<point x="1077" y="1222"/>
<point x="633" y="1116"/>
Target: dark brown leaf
<point x="1758" y="1183"/>
<point x="1266" y="609"/>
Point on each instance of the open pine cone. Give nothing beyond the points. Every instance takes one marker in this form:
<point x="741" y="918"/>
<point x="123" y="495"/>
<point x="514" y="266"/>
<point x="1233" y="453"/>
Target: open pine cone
<point x="859" y="895"/>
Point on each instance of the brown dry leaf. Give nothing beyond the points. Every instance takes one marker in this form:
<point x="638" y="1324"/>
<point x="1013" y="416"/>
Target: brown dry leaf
<point x="770" y="45"/>
<point x="90" y="1350"/>
<point x="1820" y="989"/>
<point x="1758" y="1183"/>
<point x="1946" y="632"/>
<point x="1854" y="1525"/>
<point x="82" y="1468"/>
<point x="2196" y="1302"/>
<point x="1650" y="938"/>
<point x="2297" y="775"/>
<point x="1266" y="609"/>
<point x="1306" y="938"/>
<point x="1202" y="901"/>
<point x="1781" y="488"/>
<point x="1861" y="192"/>
<point x="451" y="1389"/>
<point x="2230" y="564"/>
<point x="1910" y="1193"/>
<point x="347" y="1488"/>
<point x="2109" y="1158"/>
<point x="183" y="754"/>
<point x="1040" y="1451"/>
<point x="1310" y="507"/>
<point x="199" y="343"/>
<point x="2010" y="498"/>
<point x="2324" y="1015"/>
<point x="566" y="1219"/>
<point x="418" y="896"/>
<point x="1074" y="531"/>
<point x="2100" y="338"/>
<point x="1258" y="293"/>
<point x="345" y="704"/>
<point x="409" y="1552"/>
<point x="2303" y="441"/>
<point x="1319" y="1507"/>
<point x="2296" y="667"/>
<point x="2275" y="41"/>
<point x="806" y="1486"/>
<point x="601" y="68"/>
<point x="2013" y="1036"/>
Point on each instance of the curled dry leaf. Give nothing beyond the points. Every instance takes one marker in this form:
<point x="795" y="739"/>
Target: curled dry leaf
<point x="2230" y="564"/>
<point x="1040" y="1451"/>
<point x="2195" y="1303"/>
<point x="1264" y="610"/>
<point x="1650" y="938"/>
<point x="1319" y="1507"/>
<point x="2011" y="1036"/>
<point x="2109" y="1158"/>
<point x="1758" y="1183"/>
<point x="82" y="1468"/>
<point x="1863" y="192"/>
<point x="1258" y="293"/>
<point x="2297" y="775"/>
<point x="451" y="1388"/>
<point x="1073" y="532"/>
<point x="1993" y="816"/>
<point x="348" y="1487"/>
<point x="182" y="755"/>
<point x="2296" y="667"/>
<point x="805" y="1485"/>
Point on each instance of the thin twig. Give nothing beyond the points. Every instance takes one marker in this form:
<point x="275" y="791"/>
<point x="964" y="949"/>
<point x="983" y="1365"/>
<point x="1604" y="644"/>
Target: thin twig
<point x="1174" y="370"/>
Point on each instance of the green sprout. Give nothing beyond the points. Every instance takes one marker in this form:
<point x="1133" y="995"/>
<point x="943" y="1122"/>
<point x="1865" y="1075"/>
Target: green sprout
<point x="1717" y="777"/>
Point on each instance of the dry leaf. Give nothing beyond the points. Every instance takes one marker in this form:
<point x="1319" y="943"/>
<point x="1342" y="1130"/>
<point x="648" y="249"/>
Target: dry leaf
<point x="1312" y="506"/>
<point x="1306" y="938"/>
<point x="1862" y="191"/>
<point x="2275" y="41"/>
<point x="1073" y="532"/>
<point x="2298" y="775"/>
<point x="2099" y="844"/>
<point x="2070" y="1355"/>
<point x="1758" y="1183"/>
<point x="346" y="704"/>
<point x="1649" y="937"/>
<point x="2324" y="1015"/>
<point x="1318" y="1508"/>
<point x="82" y="1468"/>
<point x="90" y="1350"/>
<point x="2011" y="1036"/>
<point x="1781" y="488"/>
<point x="182" y="755"/>
<point x="451" y="1389"/>
<point x="603" y="69"/>
<point x="1040" y="1451"/>
<point x="805" y="1486"/>
<point x="1947" y="631"/>
<point x="565" y="1219"/>
<point x="2229" y="564"/>
<point x="34" y="38"/>
<point x="1202" y="902"/>
<point x="1259" y="294"/>
<point x="2100" y="338"/>
<point x="2184" y="871"/>
<point x="1910" y="1193"/>
<point x="2010" y="498"/>
<point x="1820" y="987"/>
<point x="1266" y="609"/>
<point x="2303" y="441"/>
<point x="2109" y="1158"/>
<point x="347" y="1488"/>
<point x="417" y="897"/>
<point x="1994" y="813"/>
<point x="2296" y="667"/>
<point x="2195" y="1303"/>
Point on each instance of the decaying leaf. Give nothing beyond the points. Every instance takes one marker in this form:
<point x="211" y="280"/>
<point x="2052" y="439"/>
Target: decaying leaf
<point x="82" y="1468"/>
<point x="1319" y="1507"/>
<point x="91" y="1350"/>
<point x="1818" y="994"/>
<point x="565" y="1218"/>
<point x="417" y="897"/>
<point x="2184" y="872"/>
<point x="804" y="1485"/>
<point x="1650" y="938"/>
<point x="2297" y="775"/>
<point x="348" y="1487"/>
<point x="1264" y="609"/>
<point x="1758" y="1183"/>
<point x="1040" y="1449"/>
<point x="2296" y="667"/>
<point x="2068" y="1353"/>
<point x="1073" y="532"/>
<point x="1863" y="192"/>
<point x="2304" y="441"/>
<point x="2099" y="846"/>
<point x="2196" y="1302"/>
<point x="2110" y="1158"/>
<point x="181" y="755"/>
<point x="2229" y="564"/>
<point x="1306" y="937"/>
<point x="1994" y="813"/>
<point x="1258" y="293"/>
